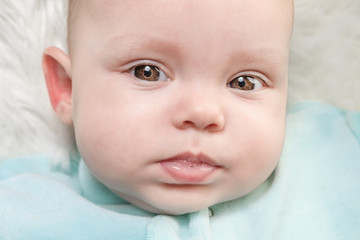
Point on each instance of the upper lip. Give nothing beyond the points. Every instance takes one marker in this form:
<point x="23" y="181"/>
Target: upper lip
<point x="191" y="157"/>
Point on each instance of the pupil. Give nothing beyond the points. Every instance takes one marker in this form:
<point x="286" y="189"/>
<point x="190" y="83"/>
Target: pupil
<point x="241" y="82"/>
<point x="147" y="71"/>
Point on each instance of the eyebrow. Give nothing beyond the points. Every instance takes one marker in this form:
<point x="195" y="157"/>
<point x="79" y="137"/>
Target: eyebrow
<point x="155" y="43"/>
<point x="131" y="44"/>
<point x="261" y="54"/>
<point x="270" y="61"/>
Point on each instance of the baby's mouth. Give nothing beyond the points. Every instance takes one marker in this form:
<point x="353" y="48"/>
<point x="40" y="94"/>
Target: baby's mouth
<point x="188" y="168"/>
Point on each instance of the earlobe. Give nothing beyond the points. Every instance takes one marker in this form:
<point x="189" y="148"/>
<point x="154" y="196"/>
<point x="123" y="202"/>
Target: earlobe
<point x="57" y="71"/>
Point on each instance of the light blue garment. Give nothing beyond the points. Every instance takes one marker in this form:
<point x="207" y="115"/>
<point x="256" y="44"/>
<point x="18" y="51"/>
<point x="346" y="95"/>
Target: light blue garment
<point x="314" y="193"/>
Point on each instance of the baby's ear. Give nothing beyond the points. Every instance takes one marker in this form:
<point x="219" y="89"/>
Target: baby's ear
<point x="57" y="70"/>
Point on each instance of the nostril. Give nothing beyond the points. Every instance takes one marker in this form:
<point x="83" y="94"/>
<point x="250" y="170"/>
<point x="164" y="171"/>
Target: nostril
<point x="200" y="118"/>
<point x="188" y="124"/>
<point x="212" y="126"/>
<point x="198" y="125"/>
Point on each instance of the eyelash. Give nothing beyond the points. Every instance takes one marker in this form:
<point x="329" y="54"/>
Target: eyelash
<point x="148" y="67"/>
<point x="250" y="82"/>
<point x="256" y="82"/>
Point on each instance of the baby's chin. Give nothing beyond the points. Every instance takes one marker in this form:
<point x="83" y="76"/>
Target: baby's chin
<point x="160" y="206"/>
<point x="178" y="209"/>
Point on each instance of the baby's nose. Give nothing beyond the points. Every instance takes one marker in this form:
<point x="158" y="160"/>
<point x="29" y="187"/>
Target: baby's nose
<point x="201" y="114"/>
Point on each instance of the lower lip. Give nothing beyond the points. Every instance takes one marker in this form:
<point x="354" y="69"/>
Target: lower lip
<point x="185" y="171"/>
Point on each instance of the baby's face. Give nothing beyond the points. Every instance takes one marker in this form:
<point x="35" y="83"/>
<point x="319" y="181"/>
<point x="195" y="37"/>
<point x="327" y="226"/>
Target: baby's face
<point x="179" y="105"/>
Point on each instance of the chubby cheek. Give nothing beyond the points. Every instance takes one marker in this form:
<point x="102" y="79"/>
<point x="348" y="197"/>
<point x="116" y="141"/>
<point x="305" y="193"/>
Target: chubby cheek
<point x="103" y="144"/>
<point x="257" y="145"/>
<point x="113" y="136"/>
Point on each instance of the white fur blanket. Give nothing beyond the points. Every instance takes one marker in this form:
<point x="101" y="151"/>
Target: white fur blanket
<point x="325" y="65"/>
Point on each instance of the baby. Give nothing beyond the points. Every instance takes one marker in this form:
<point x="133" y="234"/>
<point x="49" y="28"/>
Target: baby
<point x="176" y="105"/>
<point x="178" y="109"/>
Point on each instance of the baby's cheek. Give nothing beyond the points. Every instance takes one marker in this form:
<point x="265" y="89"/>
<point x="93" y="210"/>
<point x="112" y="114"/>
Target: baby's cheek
<point x="270" y="152"/>
<point x="265" y="152"/>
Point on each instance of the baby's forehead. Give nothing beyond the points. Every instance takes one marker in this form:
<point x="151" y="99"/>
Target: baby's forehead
<point x="94" y="12"/>
<point x="77" y="5"/>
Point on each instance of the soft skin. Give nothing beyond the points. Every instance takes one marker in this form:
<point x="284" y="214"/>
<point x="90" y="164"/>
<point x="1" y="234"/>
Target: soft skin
<point x="125" y="124"/>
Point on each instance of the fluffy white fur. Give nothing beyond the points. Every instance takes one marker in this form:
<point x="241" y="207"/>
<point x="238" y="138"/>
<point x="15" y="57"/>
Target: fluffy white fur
<point x="27" y="122"/>
<point x="325" y="65"/>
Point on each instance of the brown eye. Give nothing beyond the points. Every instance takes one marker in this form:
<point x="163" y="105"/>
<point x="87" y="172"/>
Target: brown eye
<point x="148" y="73"/>
<point x="245" y="83"/>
